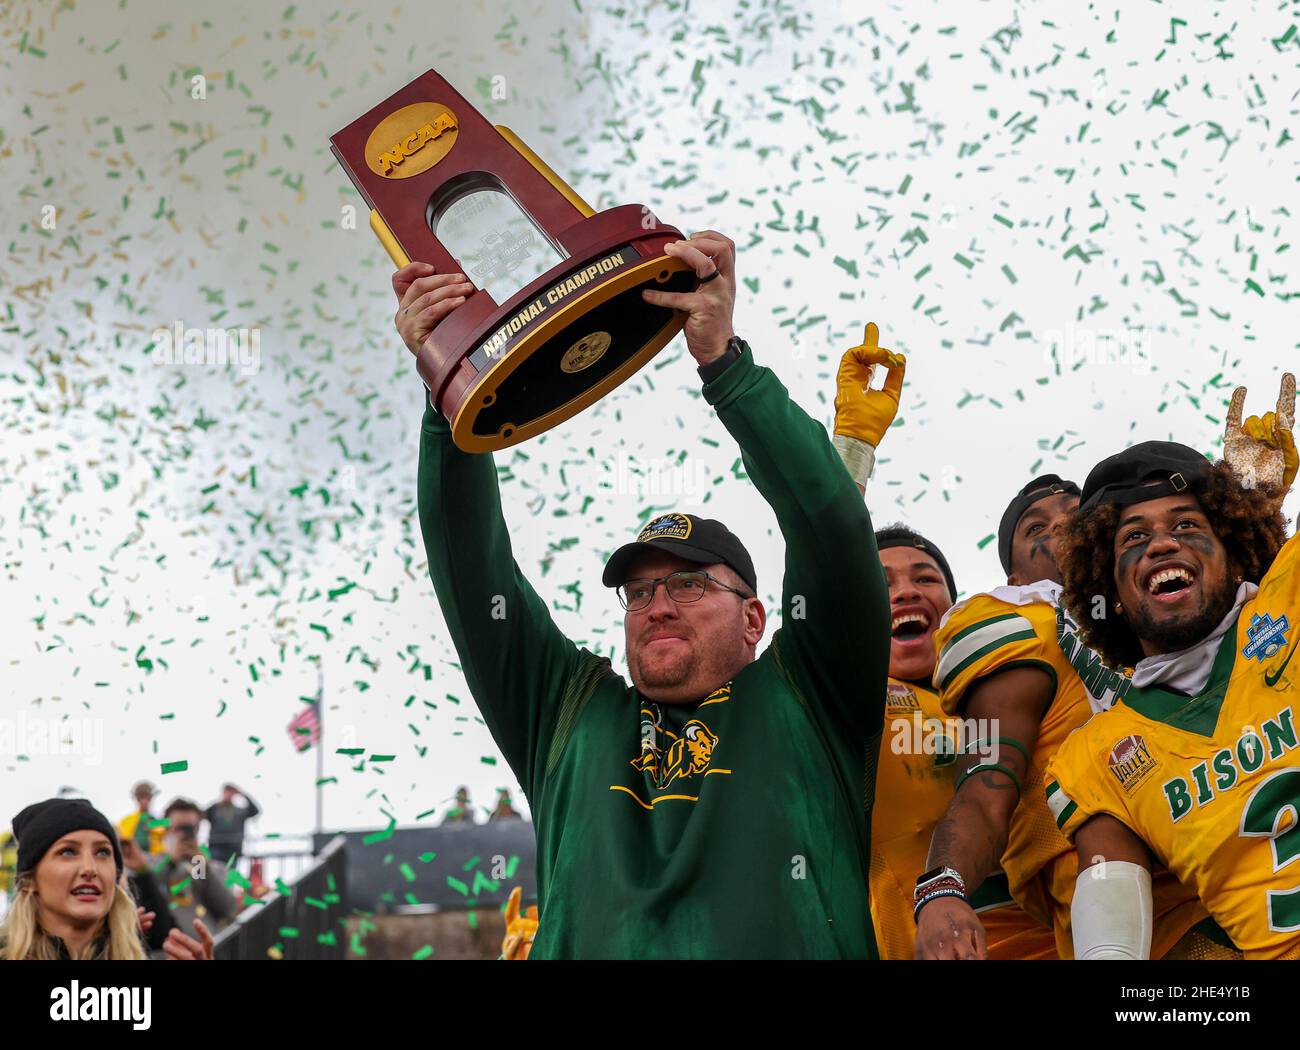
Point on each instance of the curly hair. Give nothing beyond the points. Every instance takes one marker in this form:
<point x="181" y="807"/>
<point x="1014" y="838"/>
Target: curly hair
<point x="1247" y="521"/>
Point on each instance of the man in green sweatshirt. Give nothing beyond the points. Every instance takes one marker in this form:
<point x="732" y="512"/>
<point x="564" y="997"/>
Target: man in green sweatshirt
<point x="717" y="807"/>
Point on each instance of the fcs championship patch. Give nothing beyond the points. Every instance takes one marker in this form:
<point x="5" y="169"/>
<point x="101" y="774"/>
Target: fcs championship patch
<point x="1131" y="762"/>
<point x="666" y="527"/>
<point x="1266" y="635"/>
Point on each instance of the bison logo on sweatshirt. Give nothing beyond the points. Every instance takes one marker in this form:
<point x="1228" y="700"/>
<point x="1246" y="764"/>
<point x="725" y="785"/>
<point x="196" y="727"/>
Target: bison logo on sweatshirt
<point x="684" y="756"/>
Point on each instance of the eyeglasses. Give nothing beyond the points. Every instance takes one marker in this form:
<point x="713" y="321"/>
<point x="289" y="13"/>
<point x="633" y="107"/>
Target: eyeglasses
<point x="682" y="587"/>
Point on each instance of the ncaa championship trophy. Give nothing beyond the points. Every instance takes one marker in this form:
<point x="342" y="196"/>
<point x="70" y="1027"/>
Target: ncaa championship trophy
<point x="556" y="319"/>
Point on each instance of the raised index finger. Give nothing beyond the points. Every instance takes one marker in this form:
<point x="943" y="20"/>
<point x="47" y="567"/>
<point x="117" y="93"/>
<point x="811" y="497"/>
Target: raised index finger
<point x="871" y="352"/>
<point x="1286" y="403"/>
<point x="871" y="337"/>
<point x="1234" y="409"/>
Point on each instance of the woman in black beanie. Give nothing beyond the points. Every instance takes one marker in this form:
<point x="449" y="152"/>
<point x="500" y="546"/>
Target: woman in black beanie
<point x="72" y="898"/>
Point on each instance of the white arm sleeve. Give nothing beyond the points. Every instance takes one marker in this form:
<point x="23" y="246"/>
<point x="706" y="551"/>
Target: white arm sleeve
<point x="1111" y="915"/>
<point x="859" y="457"/>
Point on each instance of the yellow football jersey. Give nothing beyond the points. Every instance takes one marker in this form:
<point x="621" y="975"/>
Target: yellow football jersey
<point x="1212" y="782"/>
<point x="1029" y="627"/>
<point x="914" y="778"/>
<point x="127" y="828"/>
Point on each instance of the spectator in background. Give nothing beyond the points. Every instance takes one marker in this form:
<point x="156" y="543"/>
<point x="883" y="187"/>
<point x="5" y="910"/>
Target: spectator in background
<point x="226" y="822"/>
<point x="8" y="861"/>
<point x="139" y="825"/>
<point x="462" y="812"/>
<point x="148" y="893"/>
<point x="195" y="884"/>
<point x="73" y="900"/>
<point x="505" y="810"/>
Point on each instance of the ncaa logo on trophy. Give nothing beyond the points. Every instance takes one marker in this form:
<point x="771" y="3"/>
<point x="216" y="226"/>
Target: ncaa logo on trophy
<point x="556" y="320"/>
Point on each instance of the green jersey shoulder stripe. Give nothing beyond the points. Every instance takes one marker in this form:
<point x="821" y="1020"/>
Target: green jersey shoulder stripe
<point x="1061" y="805"/>
<point x="978" y="625"/>
<point x="978" y="640"/>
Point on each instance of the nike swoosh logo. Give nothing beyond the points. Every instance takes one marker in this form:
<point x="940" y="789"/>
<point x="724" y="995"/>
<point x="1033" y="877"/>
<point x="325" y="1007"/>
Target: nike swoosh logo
<point x="1270" y="680"/>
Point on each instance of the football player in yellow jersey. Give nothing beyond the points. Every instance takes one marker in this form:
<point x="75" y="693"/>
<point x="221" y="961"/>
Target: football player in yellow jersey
<point x="1012" y="665"/>
<point x="1198" y="766"/>
<point x="914" y="775"/>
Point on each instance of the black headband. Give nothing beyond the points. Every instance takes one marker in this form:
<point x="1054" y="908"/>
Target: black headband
<point x="908" y="538"/>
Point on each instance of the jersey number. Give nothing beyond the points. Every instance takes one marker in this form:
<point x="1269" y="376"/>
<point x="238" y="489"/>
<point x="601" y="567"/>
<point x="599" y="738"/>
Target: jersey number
<point x="1278" y="795"/>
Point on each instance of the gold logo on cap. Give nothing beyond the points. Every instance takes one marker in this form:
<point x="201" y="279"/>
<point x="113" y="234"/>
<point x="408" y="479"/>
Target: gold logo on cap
<point x="411" y="140"/>
<point x="666" y="527"/>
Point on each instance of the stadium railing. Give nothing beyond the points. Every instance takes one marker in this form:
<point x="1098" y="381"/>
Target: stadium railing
<point x="301" y="924"/>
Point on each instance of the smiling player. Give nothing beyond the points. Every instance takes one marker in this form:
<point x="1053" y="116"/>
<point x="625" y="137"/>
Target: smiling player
<point x="914" y="775"/>
<point x="914" y="779"/>
<point x="1012" y="661"/>
<point x="1198" y="765"/>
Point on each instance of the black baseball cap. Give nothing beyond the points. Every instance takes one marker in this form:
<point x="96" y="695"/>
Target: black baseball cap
<point x="1040" y="488"/>
<point x="699" y="540"/>
<point x="902" y="536"/>
<point x="1146" y="471"/>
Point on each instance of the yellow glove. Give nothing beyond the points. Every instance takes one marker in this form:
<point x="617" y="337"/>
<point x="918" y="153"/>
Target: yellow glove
<point x="520" y="929"/>
<point x="1262" y="450"/>
<point x="862" y="415"/>
<point x="860" y="412"/>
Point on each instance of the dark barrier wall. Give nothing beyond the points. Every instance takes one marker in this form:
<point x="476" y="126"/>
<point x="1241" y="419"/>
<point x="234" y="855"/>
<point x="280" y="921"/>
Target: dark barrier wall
<point x="455" y="866"/>
<point x="306" y="923"/>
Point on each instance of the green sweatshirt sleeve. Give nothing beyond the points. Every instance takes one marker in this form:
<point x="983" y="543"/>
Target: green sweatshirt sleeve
<point x="515" y="659"/>
<point x="835" y="605"/>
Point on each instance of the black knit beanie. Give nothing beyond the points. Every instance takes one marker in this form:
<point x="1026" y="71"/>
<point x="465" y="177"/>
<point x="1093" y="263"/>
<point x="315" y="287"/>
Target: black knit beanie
<point x="42" y="824"/>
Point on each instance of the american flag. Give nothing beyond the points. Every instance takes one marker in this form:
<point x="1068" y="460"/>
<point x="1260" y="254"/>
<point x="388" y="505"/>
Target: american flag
<point x="304" y="730"/>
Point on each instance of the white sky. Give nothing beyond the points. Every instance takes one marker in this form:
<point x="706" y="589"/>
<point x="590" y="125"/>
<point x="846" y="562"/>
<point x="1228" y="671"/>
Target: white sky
<point x="152" y="514"/>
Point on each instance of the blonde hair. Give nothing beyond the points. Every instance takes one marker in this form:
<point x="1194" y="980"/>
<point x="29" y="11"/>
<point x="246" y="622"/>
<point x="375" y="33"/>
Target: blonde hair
<point x="21" y="936"/>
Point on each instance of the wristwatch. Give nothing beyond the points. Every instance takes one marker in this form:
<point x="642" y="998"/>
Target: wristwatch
<point x="934" y="884"/>
<point x="715" y="368"/>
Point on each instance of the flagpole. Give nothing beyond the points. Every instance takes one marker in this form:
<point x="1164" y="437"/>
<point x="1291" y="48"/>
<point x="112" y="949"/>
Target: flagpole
<point x="320" y="745"/>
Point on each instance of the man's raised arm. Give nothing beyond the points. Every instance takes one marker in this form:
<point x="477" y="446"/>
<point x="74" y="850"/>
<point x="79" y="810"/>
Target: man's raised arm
<point x="515" y="660"/>
<point x="835" y="627"/>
